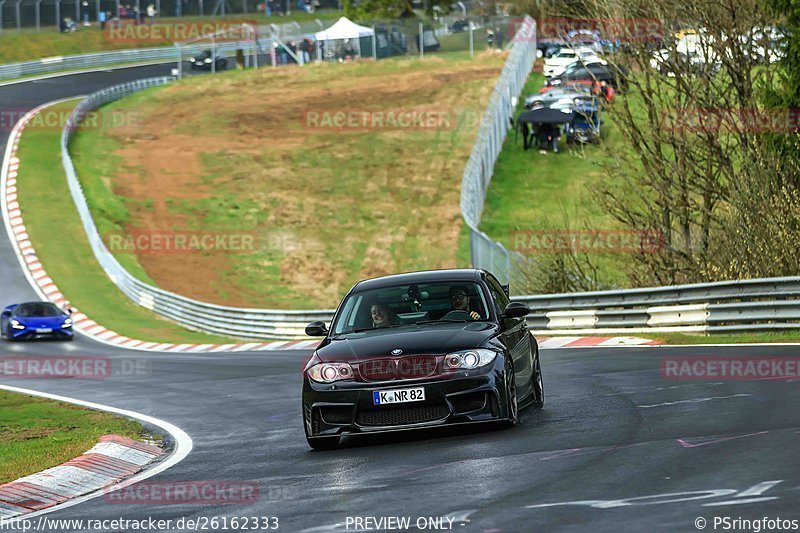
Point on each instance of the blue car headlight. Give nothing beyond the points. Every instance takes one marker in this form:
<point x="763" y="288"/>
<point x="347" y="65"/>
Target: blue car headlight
<point x="16" y="324"/>
<point x="468" y="359"/>
<point x="67" y="323"/>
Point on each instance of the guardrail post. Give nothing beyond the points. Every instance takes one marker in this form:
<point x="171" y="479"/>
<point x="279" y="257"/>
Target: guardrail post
<point x="38" y="11"/>
<point x="214" y="54"/>
<point x="471" y="39"/>
<point x="180" y="60"/>
<point x="421" y="41"/>
<point x="18" y="15"/>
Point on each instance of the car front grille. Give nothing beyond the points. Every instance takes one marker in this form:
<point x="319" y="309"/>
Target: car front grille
<point x="411" y="367"/>
<point x="399" y="416"/>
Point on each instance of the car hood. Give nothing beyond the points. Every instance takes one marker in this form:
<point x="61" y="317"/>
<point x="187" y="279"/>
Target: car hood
<point x="413" y="340"/>
<point x="41" y="321"/>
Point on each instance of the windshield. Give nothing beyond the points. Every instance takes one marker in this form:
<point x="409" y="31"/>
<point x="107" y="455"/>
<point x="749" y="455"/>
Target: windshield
<point x="403" y="305"/>
<point x="38" y="309"/>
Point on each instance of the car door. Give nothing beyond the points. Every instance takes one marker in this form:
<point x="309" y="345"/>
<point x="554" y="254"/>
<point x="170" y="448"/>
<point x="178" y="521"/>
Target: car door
<point x="515" y="336"/>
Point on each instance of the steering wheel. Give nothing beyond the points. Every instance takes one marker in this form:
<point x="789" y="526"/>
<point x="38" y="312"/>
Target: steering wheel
<point x="457" y="314"/>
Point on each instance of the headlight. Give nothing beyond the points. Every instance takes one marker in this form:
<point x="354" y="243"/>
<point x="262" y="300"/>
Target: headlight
<point x="469" y="359"/>
<point x="16" y="325"/>
<point x="330" y="372"/>
<point x="207" y="60"/>
<point x="67" y="323"/>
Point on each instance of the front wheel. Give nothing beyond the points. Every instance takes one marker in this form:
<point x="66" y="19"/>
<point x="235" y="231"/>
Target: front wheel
<point x="538" y="387"/>
<point x="512" y="405"/>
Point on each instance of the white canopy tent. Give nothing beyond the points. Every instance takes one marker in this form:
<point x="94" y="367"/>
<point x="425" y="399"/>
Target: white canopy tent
<point x="344" y="28"/>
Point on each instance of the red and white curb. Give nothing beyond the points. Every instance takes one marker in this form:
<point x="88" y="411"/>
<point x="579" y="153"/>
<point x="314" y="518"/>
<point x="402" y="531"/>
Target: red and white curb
<point x="47" y="289"/>
<point x="549" y="343"/>
<point x="110" y="461"/>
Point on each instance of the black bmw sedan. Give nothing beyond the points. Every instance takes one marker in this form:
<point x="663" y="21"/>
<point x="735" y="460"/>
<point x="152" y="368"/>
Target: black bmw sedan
<point x="419" y="350"/>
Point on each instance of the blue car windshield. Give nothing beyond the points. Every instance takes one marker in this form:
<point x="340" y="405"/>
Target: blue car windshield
<point x="408" y="304"/>
<point x="38" y="309"/>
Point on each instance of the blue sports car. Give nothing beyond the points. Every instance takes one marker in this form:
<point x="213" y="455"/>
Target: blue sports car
<point x="35" y="320"/>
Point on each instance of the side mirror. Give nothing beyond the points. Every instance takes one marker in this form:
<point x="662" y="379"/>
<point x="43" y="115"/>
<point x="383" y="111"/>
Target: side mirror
<point x="6" y="313"/>
<point x="316" y="329"/>
<point x="516" y="310"/>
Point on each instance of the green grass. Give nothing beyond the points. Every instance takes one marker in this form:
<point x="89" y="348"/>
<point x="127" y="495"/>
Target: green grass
<point x="351" y="204"/>
<point x="27" y="45"/>
<point x="61" y="244"/>
<point x="552" y="191"/>
<point x="37" y="434"/>
<point x="738" y="338"/>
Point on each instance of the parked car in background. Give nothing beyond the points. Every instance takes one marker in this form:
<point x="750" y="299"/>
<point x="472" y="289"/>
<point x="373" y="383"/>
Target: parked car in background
<point x="568" y="56"/>
<point x="614" y="76"/>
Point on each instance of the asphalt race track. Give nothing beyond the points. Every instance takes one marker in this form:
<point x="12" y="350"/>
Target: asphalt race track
<point x="617" y="446"/>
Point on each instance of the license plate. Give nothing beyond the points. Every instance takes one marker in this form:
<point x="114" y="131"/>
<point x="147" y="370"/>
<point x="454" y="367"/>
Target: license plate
<point x="383" y="397"/>
<point x="44" y="330"/>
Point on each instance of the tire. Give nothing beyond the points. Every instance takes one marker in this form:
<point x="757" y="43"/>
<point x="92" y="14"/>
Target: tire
<point x="538" y="387"/>
<point x="323" y="443"/>
<point x="512" y="405"/>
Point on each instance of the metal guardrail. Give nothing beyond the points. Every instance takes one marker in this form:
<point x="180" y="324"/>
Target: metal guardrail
<point x="726" y="306"/>
<point x="485" y="252"/>
<point x="162" y="54"/>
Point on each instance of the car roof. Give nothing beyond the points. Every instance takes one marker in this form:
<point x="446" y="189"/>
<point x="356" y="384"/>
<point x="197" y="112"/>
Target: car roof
<point x="424" y="276"/>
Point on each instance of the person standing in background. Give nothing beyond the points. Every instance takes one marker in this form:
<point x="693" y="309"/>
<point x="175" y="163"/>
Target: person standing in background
<point x="151" y="13"/>
<point x="101" y="18"/>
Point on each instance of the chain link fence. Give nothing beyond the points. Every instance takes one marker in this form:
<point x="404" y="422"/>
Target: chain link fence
<point x="496" y="122"/>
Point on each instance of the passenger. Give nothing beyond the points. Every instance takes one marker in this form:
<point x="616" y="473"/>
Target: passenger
<point x="459" y="300"/>
<point x="382" y="317"/>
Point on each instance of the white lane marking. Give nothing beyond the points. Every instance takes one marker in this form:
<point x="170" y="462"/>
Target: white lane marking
<point x="183" y="445"/>
<point x="740" y="502"/>
<point x="695" y="400"/>
<point x="759" y="489"/>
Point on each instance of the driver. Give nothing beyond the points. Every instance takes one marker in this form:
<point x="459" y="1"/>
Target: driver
<point x="459" y="300"/>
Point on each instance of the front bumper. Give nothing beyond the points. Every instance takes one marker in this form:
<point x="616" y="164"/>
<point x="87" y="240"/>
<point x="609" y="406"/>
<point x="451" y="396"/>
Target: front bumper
<point x="461" y="397"/>
<point x="32" y="334"/>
